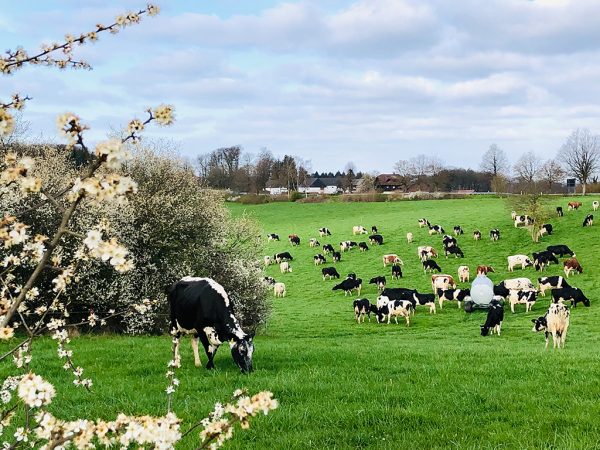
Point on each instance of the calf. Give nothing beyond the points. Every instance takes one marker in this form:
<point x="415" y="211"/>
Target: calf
<point x="336" y="256"/>
<point x="574" y="205"/>
<point x="595" y="205"/>
<point x="518" y="260"/>
<point x="294" y="239"/>
<point x="273" y="237"/>
<point x="456" y="251"/>
<point x="458" y="230"/>
<point x="362" y="307"/>
<point x="396" y="272"/>
<point x="285" y="267"/>
<point x="424" y="223"/>
<point x="588" y="221"/>
<point x="284" y="256"/>
<point x="477" y="235"/>
<point x="549" y="283"/>
<point x="379" y="281"/>
<point x="267" y="261"/>
<point x="363" y="247"/>
<point x="442" y="281"/>
<point x="393" y="308"/>
<point x="572" y="265"/>
<point x="376" y="239"/>
<point x="313" y="243"/>
<point x="349" y="285"/>
<point x="424" y="300"/>
<point x="494" y="319"/>
<point x="463" y="274"/>
<point x="449" y="241"/>
<point x="484" y="270"/>
<point x="436" y="229"/>
<point x="574" y="295"/>
<point x="358" y="229"/>
<point x="446" y="295"/>
<point x="324" y="231"/>
<point x="319" y="259"/>
<point x="495" y="234"/>
<point x="202" y="308"/>
<point x="560" y="250"/>
<point x="409" y="237"/>
<point x="329" y="272"/>
<point x="279" y="289"/>
<point x="374" y="229"/>
<point x="391" y="259"/>
<point x="522" y="297"/>
<point x="328" y="248"/>
<point x="431" y="265"/>
<point x="545" y="229"/>
<point x="555" y="322"/>
<point x="559" y="211"/>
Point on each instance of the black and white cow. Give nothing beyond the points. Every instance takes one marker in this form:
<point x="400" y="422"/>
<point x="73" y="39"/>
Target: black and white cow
<point x="495" y="317"/>
<point x="349" y="285"/>
<point x="362" y="307"/>
<point x="495" y="234"/>
<point x="269" y="281"/>
<point x="424" y="223"/>
<point x="393" y="308"/>
<point x="446" y="295"/>
<point x="272" y="237"/>
<point x="324" y="231"/>
<point x="398" y="293"/>
<point x="424" y="300"/>
<point x="336" y="256"/>
<point x="555" y="322"/>
<point x="550" y="283"/>
<point x="202" y="308"/>
<point x="319" y="259"/>
<point x="574" y="295"/>
<point x="313" y="242"/>
<point x="283" y="256"/>
<point x="329" y="272"/>
<point x="379" y="281"/>
<point x="363" y="247"/>
<point x="547" y="228"/>
<point x="351" y="276"/>
<point x="431" y="265"/>
<point x="559" y="211"/>
<point x="477" y="235"/>
<point x="376" y="239"/>
<point x="328" y="248"/>
<point x="396" y="272"/>
<point x="588" y="221"/>
<point x="545" y="255"/>
<point x="449" y="241"/>
<point x="526" y="298"/>
<point x="458" y="230"/>
<point x="454" y="250"/>
<point x="374" y="229"/>
<point x="436" y="229"/>
<point x="560" y="250"/>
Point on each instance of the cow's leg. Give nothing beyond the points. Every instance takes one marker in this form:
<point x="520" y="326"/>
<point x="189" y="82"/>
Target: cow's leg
<point x="197" y="362"/>
<point x="209" y="349"/>
<point x="546" y="334"/>
<point x="176" y="349"/>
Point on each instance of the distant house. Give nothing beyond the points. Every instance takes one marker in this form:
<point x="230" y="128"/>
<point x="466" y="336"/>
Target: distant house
<point x="274" y="187"/>
<point x="320" y="185"/>
<point x="389" y="182"/>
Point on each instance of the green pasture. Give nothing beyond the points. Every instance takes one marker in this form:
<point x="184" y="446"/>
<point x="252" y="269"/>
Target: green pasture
<point x="343" y="385"/>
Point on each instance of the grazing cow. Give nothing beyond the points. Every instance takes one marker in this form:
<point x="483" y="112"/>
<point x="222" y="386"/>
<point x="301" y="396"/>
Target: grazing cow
<point x="560" y="250"/>
<point x="269" y="281"/>
<point x="279" y="289"/>
<point x="424" y="300"/>
<point x="329" y="272"/>
<point x="555" y="322"/>
<point x="436" y="229"/>
<point x="202" y="308"/>
<point x="362" y="307"/>
<point x="501" y="291"/>
<point x="452" y="294"/>
<point x="348" y="285"/>
<point x="545" y="229"/>
<point x="518" y="260"/>
<point x="574" y="295"/>
<point x="588" y="221"/>
<point x="376" y="239"/>
<point x="495" y="234"/>
<point x="549" y="283"/>
<point x="409" y="237"/>
<point x="391" y="259"/>
<point x="396" y="272"/>
<point x="393" y="308"/>
<point x="336" y="256"/>
<point x="313" y="243"/>
<point x="431" y="265"/>
<point x="319" y="259"/>
<point x="559" y="211"/>
<point x="324" y="231"/>
<point x="463" y="274"/>
<point x="454" y="250"/>
<point x="449" y="241"/>
<point x="268" y="261"/>
<point x="518" y="284"/>
<point x="513" y="215"/>
<point x="344" y="246"/>
<point x="351" y="276"/>
<point x="359" y="229"/>
<point x="595" y="205"/>
<point x="284" y="256"/>
<point x="379" y="281"/>
<point x="294" y="240"/>
<point x="285" y="267"/>
<point x="545" y="255"/>
<point x="374" y="229"/>
<point x="522" y="297"/>
<point x="477" y="235"/>
<point x="424" y="223"/>
<point x="328" y="248"/>
<point x="458" y="230"/>
<point x="574" y="205"/>
<point x="523" y="220"/>
<point x="363" y="247"/>
<point x="398" y="293"/>
<point x="572" y="265"/>
<point x="484" y="270"/>
<point x="426" y="252"/>
<point x="272" y="237"/>
<point x="494" y="319"/>
<point x="442" y="281"/>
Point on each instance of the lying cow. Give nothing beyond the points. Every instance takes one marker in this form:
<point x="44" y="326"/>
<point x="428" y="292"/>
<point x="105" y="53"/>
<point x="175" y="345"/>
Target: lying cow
<point x="458" y="295"/>
<point x="572" y="265"/>
<point x="549" y="283"/>
<point x="329" y="272"/>
<point x="518" y="260"/>
<point x="555" y="322"/>
<point x="574" y="295"/>
<point x="526" y="298"/>
<point x="588" y="221"/>
<point x="376" y="239"/>
<point x="494" y="319"/>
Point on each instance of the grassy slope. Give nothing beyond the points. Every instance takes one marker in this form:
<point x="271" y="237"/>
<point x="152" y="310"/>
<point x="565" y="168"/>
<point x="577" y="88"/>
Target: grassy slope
<point x="343" y="385"/>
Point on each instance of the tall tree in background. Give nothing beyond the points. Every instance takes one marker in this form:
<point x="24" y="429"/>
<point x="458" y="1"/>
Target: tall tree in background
<point x="495" y="162"/>
<point x="581" y="155"/>
<point x="551" y="173"/>
<point x="527" y="168"/>
<point x="262" y="169"/>
<point x="349" y="177"/>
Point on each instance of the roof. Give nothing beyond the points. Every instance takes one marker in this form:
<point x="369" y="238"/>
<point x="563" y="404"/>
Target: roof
<point x="388" y="179"/>
<point x="322" y="182"/>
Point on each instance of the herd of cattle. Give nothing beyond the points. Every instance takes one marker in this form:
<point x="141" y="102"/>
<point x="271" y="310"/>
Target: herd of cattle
<point x="393" y="303"/>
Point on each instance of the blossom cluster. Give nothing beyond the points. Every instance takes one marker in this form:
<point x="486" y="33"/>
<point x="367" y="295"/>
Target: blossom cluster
<point x="15" y="171"/>
<point x="110" y="251"/>
<point x="103" y="188"/>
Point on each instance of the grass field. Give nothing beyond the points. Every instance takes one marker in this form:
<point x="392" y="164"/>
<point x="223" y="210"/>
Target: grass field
<point x="435" y="384"/>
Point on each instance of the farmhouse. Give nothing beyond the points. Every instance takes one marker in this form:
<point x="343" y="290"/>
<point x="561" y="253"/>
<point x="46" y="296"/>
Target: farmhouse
<point x="275" y="187"/>
<point x="389" y="182"/>
<point x="320" y="185"/>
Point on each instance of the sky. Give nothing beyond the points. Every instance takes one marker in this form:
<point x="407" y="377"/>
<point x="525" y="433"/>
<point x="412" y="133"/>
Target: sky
<point x="330" y="81"/>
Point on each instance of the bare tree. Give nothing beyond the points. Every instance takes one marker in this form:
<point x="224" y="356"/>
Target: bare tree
<point x="19" y="133"/>
<point x="528" y="167"/>
<point x="581" y="155"/>
<point x="495" y="162"/>
<point x="552" y="173"/>
<point x="262" y="169"/>
<point x="367" y="183"/>
<point x="203" y="165"/>
<point x="404" y="168"/>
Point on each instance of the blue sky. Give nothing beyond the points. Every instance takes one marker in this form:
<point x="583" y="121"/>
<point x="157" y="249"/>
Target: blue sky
<point x="370" y="81"/>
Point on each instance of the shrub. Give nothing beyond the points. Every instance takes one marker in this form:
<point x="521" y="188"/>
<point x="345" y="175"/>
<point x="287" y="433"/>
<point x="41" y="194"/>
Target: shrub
<point x="370" y="197"/>
<point x="253" y="199"/>
<point x="294" y="196"/>
<point x="314" y="199"/>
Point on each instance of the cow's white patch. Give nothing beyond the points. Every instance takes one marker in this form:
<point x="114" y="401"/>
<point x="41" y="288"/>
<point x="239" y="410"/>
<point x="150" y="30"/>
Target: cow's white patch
<point x="213" y="284"/>
<point x="211" y="334"/>
<point x="185" y="330"/>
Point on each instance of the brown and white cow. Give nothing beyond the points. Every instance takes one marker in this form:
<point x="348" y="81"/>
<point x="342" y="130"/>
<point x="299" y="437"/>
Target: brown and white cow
<point x="391" y="259"/>
<point x="574" y="205"/>
<point x="572" y="265"/>
<point x="463" y="274"/>
<point x="442" y="281"/>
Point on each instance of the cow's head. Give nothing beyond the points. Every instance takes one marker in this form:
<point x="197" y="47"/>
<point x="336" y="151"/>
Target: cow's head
<point x="539" y="324"/>
<point x="241" y="351"/>
<point x="484" y="330"/>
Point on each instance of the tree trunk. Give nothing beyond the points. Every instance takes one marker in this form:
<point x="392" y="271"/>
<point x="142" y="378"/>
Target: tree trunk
<point x="583" y="188"/>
